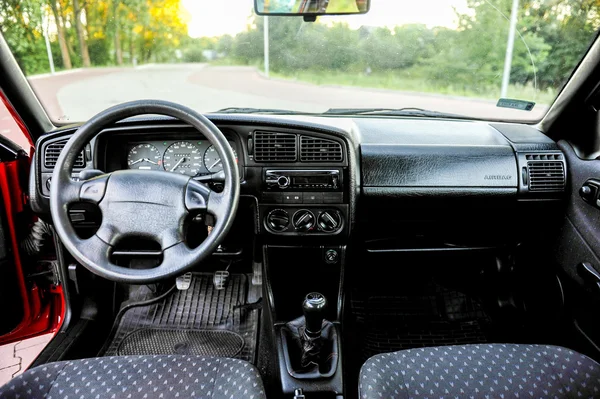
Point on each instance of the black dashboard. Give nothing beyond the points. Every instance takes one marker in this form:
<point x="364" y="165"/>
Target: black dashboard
<point x="311" y="176"/>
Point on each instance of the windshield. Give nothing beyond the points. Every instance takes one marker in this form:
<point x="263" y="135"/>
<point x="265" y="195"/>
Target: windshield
<point x="448" y="56"/>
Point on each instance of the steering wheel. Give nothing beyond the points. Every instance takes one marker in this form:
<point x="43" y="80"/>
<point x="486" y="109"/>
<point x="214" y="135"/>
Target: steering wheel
<point x="144" y="204"/>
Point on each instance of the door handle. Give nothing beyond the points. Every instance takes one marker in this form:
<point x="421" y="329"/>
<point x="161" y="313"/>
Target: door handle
<point x="588" y="273"/>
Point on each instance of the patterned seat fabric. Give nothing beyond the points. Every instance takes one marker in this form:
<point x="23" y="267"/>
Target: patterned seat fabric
<point x="481" y="371"/>
<point x="138" y="377"/>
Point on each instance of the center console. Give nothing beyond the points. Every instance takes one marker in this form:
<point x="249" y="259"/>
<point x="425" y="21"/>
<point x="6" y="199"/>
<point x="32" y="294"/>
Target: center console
<point x="304" y="210"/>
<point x="303" y="202"/>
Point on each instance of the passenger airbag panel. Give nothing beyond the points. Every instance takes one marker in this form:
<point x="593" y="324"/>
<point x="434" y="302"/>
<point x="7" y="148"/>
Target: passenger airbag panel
<point x="438" y="166"/>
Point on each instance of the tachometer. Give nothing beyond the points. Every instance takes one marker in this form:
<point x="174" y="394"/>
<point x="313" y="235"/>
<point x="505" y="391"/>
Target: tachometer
<point x="183" y="157"/>
<point x="145" y="157"/>
<point x="212" y="160"/>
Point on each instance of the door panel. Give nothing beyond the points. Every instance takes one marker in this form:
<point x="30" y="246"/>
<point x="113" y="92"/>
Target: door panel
<point x="579" y="243"/>
<point x="9" y="284"/>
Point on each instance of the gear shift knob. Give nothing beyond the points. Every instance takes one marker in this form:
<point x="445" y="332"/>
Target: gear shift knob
<point x="313" y="308"/>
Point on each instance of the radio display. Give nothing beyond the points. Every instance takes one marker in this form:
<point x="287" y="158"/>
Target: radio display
<point x="299" y="180"/>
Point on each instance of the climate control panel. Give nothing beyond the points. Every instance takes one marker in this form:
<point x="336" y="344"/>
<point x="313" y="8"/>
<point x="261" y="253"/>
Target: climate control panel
<point x="304" y="220"/>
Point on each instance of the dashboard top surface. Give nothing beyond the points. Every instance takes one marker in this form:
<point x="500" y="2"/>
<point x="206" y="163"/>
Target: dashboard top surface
<point x="371" y="130"/>
<point x="383" y="152"/>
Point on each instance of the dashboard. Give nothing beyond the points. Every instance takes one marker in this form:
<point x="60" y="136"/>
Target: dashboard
<point x="308" y="176"/>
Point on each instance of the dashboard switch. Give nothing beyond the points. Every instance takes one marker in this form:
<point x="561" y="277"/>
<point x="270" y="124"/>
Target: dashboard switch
<point x="590" y="191"/>
<point x="292" y="198"/>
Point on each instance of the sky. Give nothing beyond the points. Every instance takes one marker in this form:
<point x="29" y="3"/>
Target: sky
<point x="219" y="17"/>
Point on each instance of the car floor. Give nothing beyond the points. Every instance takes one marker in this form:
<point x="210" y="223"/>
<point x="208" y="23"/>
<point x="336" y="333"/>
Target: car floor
<point x="415" y="302"/>
<point x="16" y="357"/>
<point x="201" y="320"/>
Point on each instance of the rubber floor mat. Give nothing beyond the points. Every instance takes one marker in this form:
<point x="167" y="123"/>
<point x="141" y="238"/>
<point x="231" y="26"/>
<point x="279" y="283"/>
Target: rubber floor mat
<point x="221" y="343"/>
<point x="434" y="318"/>
<point x="199" y="309"/>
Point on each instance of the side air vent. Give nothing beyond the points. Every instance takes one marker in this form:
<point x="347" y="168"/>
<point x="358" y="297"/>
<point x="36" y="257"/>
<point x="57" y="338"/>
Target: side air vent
<point x="546" y="175"/>
<point x="314" y="149"/>
<point x="275" y="147"/>
<point x="52" y="152"/>
<point x="544" y="157"/>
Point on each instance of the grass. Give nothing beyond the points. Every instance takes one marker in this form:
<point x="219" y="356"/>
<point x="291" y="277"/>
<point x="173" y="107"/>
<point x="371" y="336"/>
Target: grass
<point x="412" y="81"/>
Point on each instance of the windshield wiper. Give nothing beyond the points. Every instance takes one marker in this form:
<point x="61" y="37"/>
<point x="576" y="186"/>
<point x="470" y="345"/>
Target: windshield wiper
<point x="347" y="111"/>
<point x="271" y="111"/>
<point x="409" y="111"/>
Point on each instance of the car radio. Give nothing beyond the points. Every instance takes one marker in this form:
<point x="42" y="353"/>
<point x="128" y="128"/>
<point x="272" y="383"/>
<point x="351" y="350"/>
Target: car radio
<point x="303" y="180"/>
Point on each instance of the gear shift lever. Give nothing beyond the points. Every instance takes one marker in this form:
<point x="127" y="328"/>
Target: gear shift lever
<point x="311" y="341"/>
<point x="313" y="308"/>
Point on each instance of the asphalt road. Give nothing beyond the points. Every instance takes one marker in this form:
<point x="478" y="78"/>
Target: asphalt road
<point x="78" y="95"/>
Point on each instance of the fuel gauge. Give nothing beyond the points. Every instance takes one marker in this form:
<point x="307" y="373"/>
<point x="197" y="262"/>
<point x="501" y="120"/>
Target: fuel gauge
<point x="212" y="159"/>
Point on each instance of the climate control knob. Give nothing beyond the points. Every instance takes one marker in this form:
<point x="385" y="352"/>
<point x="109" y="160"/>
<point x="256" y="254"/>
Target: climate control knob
<point x="278" y="220"/>
<point x="329" y="221"/>
<point x="304" y="220"/>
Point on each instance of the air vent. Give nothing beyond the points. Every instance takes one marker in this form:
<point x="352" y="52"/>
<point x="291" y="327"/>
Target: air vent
<point x="319" y="150"/>
<point x="52" y="152"/>
<point x="545" y="175"/>
<point x="274" y="147"/>
<point x="544" y="157"/>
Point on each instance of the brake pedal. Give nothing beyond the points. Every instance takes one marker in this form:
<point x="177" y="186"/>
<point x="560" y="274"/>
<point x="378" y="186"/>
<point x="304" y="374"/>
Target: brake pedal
<point x="220" y="279"/>
<point x="183" y="282"/>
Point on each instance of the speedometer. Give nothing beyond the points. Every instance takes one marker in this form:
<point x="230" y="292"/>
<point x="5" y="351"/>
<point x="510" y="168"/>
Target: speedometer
<point x="183" y="157"/>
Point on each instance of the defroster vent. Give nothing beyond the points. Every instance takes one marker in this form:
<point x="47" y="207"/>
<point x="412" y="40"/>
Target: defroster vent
<point x="314" y="149"/>
<point x="52" y="152"/>
<point x="546" y="175"/>
<point x="275" y="147"/>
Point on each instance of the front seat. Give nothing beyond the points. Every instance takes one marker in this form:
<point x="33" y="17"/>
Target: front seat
<point x="138" y="377"/>
<point x="481" y="371"/>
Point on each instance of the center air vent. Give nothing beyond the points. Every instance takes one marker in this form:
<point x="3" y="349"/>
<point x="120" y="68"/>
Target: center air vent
<point x="314" y="149"/>
<point x="275" y="147"/>
<point x="52" y="152"/>
<point x="546" y="172"/>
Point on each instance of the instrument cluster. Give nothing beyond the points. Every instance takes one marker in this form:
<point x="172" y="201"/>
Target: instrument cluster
<point x="187" y="157"/>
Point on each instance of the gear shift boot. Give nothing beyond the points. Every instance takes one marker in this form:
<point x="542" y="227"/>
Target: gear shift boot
<point x="310" y="343"/>
<point x="309" y="357"/>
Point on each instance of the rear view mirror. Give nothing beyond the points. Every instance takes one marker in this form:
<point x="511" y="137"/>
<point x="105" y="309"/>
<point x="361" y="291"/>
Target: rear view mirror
<point x="311" y="8"/>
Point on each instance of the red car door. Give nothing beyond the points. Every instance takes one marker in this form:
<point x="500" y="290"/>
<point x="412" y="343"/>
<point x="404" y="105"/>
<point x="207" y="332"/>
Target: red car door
<point x="28" y="308"/>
